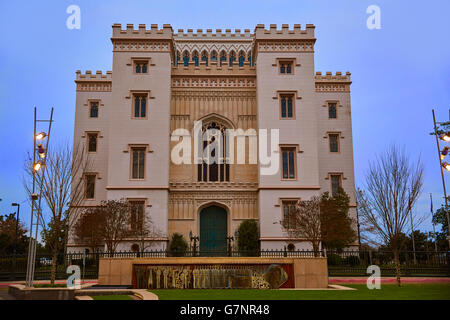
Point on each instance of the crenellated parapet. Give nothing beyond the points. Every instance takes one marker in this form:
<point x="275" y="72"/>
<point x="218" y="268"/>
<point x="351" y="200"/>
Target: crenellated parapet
<point x="285" y="33"/>
<point x="330" y="82"/>
<point x="219" y="34"/>
<point x="97" y="82"/>
<point x="142" y="32"/>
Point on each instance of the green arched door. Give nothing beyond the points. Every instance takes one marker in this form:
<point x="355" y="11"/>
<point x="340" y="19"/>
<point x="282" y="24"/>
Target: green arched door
<point x="213" y="231"/>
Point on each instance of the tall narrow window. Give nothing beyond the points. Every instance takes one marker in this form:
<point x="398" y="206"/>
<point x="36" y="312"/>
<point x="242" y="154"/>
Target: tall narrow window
<point x="186" y="59"/>
<point x="335" y="183"/>
<point x="214" y="56"/>
<point x="332" y="111"/>
<point x="223" y="57"/>
<point x="288" y="159"/>
<point x="195" y="58"/>
<point x="289" y="214"/>
<point x="241" y="59"/>
<point x="178" y="58"/>
<point x="89" y="191"/>
<point x="249" y="55"/>
<point x="93" y="111"/>
<point x="137" y="163"/>
<point x="232" y="58"/>
<point x="205" y="57"/>
<point x="216" y="167"/>
<point x="140" y="106"/>
<point x="287" y="106"/>
<point x="92" y="142"/>
<point x="136" y="215"/>
<point x="334" y="142"/>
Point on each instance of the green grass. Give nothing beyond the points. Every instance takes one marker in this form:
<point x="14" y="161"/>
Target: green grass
<point x="113" y="297"/>
<point x="387" y="292"/>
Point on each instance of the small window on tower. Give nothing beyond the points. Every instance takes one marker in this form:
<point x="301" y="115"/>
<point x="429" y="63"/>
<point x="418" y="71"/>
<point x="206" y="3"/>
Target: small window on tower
<point x="336" y="183"/>
<point x="92" y="142"/>
<point x="141" y="66"/>
<point x="287" y="108"/>
<point x="89" y="188"/>
<point x="140" y="106"/>
<point x="286" y="67"/>
<point x="334" y="142"/>
<point x="332" y="112"/>
<point x="93" y="111"/>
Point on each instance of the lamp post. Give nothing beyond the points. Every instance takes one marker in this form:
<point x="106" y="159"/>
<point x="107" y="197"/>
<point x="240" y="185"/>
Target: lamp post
<point x="229" y="239"/>
<point x="195" y="239"/>
<point x="445" y="138"/>
<point x="14" y="204"/>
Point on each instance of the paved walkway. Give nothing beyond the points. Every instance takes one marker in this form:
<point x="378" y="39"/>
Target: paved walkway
<point x="6" y="284"/>
<point x="363" y="280"/>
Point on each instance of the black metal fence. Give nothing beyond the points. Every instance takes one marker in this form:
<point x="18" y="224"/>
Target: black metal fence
<point x="345" y="263"/>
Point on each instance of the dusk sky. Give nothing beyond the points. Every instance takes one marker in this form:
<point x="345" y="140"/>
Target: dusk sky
<point x="399" y="72"/>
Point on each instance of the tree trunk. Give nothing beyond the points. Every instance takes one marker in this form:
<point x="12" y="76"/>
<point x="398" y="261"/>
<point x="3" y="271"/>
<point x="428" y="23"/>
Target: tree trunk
<point x="315" y="249"/>
<point x="397" y="266"/>
<point x="54" y="263"/>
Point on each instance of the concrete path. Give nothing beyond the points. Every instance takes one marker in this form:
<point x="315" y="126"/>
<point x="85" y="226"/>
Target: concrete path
<point x="363" y="280"/>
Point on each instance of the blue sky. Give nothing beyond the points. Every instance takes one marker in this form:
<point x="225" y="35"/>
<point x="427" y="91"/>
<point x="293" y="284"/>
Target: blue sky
<point x="399" y="72"/>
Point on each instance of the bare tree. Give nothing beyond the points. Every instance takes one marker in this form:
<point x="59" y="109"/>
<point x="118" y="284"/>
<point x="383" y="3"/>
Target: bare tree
<point x="62" y="193"/>
<point x="144" y="232"/>
<point x="115" y="225"/>
<point x="393" y="185"/>
<point x="87" y="227"/>
<point x="305" y="222"/>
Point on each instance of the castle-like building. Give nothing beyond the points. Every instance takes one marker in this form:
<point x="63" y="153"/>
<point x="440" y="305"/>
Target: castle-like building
<point x="163" y="80"/>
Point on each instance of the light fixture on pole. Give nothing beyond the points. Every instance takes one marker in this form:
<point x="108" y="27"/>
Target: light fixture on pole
<point x="40" y="135"/>
<point x="445" y="137"/>
<point x="444" y="152"/>
<point x="38" y="165"/>
<point x="446" y="166"/>
<point x="41" y="151"/>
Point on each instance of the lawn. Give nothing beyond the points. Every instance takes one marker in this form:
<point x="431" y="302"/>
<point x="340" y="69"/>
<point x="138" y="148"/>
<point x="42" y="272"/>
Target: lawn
<point x="387" y="292"/>
<point x="113" y="297"/>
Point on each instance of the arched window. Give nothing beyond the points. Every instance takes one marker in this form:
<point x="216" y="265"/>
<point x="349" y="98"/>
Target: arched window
<point x="195" y="58"/>
<point x="232" y="58"/>
<point x="178" y="57"/>
<point x="214" y="55"/>
<point x="249" y="58"/>
<point x="214" y="164"/>
<point x="241" y="58"/>
<point x="186" y="59"/>
<point x="205" y="57"/>
<point x="223" y="57"/>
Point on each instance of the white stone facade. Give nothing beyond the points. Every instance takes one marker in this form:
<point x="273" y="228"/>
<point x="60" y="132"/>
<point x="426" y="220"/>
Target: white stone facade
<point x="246" y="94"/>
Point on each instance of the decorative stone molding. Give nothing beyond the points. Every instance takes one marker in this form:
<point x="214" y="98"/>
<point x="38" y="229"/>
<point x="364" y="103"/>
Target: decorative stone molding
<point x="209" y="94"/>
<point x="333" y="83"/>
<point x="287" y="46"/>
<point x="213" y="82"/>
<point x="97" y="82"/>
<point x="141" y="46"/>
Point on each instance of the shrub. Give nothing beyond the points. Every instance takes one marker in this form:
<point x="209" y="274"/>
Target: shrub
<point x="352" y="261"/>
<point x="248" y="238"/>
<point x="334" y="259"/>
<point x="177" y="245"/>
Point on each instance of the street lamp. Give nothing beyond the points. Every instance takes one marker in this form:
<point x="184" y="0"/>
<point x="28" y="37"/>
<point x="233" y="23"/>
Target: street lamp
<point x="445" y="137"/>
<point x="40" y="149"/>
<point x="38" y="165"/>
<point x="195" y="239"/>
<point x="14" y="204"/>
<point x="40" y="135"/>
